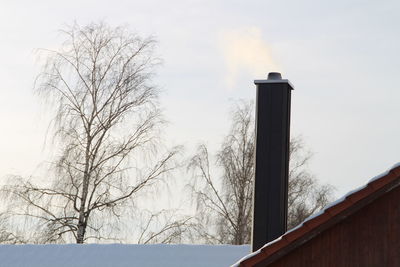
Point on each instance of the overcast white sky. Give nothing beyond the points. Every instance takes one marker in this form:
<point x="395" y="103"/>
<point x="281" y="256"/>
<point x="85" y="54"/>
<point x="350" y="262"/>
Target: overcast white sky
<point x="342" y="57"/>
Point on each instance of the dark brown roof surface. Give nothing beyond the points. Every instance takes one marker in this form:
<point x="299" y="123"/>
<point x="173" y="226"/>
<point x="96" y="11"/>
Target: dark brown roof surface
<point x="331" y="215"/>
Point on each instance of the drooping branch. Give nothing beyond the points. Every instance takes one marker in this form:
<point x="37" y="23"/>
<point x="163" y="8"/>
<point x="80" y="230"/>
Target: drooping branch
<point x="224" y="201"/>
<point x="106" y="128"/>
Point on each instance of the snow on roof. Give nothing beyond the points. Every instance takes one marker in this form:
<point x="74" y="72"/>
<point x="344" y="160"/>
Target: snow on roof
<point x="319" y="214"/>
<point x="118" y="255"/>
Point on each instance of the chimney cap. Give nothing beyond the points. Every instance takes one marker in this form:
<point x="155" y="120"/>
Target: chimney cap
<point x="274" y="77"/>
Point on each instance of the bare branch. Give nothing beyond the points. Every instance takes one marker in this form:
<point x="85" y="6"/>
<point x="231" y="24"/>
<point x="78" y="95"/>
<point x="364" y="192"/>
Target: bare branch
<point x="107" y="123"/>
<point x="225" y="202"/>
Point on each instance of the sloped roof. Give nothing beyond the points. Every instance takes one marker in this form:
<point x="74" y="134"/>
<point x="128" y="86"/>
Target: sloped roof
<point x="120" y="255"/>
<point x="330" y="215"/>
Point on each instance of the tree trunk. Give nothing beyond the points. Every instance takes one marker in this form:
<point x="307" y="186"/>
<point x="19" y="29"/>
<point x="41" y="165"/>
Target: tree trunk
<point x="81" y="232"/>
<point x="85" y="188"/>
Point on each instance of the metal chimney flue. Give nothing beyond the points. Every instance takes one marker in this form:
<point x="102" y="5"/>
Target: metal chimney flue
<point x="274" y="76"/>
<point x="272" y="159"/>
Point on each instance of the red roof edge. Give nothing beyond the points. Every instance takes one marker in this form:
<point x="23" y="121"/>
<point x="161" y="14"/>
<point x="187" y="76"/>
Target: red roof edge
<point x="328" y="216"/>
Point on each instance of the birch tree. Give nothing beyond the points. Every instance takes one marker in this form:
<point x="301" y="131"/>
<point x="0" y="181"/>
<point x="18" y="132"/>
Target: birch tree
<point x="107" y="123"/>
<point x="8" y="234"/>
<point x="224" y="190"/>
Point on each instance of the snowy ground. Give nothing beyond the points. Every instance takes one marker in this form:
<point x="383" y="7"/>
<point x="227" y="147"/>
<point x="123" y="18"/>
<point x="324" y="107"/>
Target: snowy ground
<point x="117" y="255"/>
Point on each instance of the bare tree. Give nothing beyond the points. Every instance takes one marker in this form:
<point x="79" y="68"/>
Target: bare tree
<point x="172" y="227"/>
<point x="224" y="202"/>
<point x="7" y="235"/>
<point x="305" y="195"/>
<point x="106" y="128"/>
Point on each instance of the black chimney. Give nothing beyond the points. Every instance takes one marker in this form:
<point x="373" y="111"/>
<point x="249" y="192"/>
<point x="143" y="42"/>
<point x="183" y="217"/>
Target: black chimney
<point x="272" y="159"/>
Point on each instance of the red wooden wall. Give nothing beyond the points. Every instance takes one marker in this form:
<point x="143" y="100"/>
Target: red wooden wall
<point x="369" y="237"/>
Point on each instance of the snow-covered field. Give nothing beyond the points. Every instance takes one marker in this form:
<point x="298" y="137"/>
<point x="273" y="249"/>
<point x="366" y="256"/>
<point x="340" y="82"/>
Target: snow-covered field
<point x="116" y="255"/>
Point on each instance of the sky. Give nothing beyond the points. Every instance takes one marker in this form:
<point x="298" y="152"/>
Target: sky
<point x="341" y="56"/>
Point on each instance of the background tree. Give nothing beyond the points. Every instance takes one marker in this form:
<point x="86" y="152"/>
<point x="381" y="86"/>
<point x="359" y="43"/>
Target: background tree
<point x="7" y="235"/>
<point x="305" y="195"/>
<point x="106" y="128"/>
<point x="224" y="202"/>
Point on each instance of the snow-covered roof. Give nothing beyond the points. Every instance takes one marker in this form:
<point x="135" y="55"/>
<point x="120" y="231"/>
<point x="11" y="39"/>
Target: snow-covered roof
<point x="372" y="187"/>
<point x="118" y="255"/>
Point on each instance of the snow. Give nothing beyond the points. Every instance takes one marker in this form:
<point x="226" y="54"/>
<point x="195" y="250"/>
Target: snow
<point x="378" y="176"/>
<point x="384" y="173"/>
<point x="237" y="264"/>
<point x="334" y="203"/>
<point x="118" y="255"/>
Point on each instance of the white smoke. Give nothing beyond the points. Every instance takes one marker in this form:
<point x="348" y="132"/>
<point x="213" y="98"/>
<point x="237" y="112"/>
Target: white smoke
<point x="245" y="51"/>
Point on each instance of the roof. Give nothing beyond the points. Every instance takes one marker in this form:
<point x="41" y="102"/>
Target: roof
<point x="329" y="216"/>
<point x="119" y="255"/>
